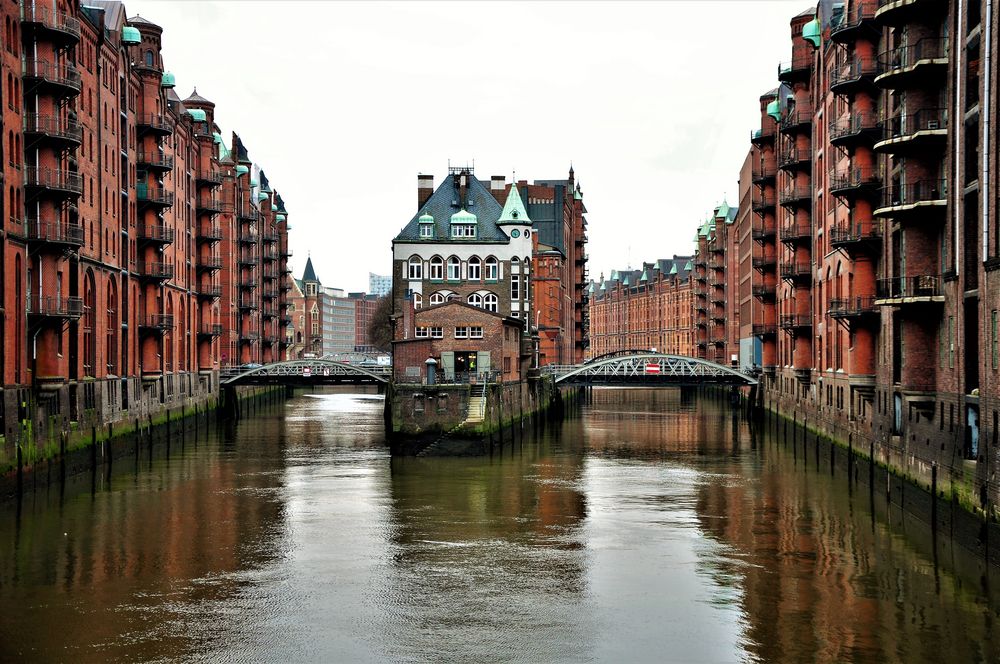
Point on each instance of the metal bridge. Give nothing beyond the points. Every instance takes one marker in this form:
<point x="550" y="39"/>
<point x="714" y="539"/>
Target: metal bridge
<point x="647" y="368"/>
<point x="305" y="372"/>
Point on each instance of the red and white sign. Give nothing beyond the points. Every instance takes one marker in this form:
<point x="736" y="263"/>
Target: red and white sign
<point x="652" y="368"/>
<point x="306" y="371"/>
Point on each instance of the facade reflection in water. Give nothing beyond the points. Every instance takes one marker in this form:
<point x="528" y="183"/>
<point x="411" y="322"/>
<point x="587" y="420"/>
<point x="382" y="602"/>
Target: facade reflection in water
<point x="651" y="526"/>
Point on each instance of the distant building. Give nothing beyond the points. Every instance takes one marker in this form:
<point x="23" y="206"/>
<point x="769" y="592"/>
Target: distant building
<point x="379" y="285"/>
<point x="365" y="305"/>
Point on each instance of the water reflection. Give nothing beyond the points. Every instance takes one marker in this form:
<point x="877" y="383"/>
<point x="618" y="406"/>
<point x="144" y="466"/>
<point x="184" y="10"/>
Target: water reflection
<point x="652" y="526"/>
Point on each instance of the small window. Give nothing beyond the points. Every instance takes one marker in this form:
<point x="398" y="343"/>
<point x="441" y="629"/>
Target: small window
<point x="461" y="333"/>
<point x="515" y="287"/>
<point x="463" y="230"/>
<point x="437" y="298"/>
<point x="475" y="332"/>
<point x="475" y="300"/>
<point x="421" y="332"/>
<point x="437" y="333"/>
<point x="475" y="269"/>
<point x="426" y="230"/>
<point x="490" y="302"/>
<point x="492" y="269"/>
<point x="454" y="269"/>
<point x="418" y="300"/>
<point x="416" y="268"/>
<point x="437" y="268"/>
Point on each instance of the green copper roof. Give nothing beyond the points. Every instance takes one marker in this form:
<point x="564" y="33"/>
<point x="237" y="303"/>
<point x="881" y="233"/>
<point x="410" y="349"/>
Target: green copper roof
<point x="217" y="137"/>
<point x="463" y="217"/>
<point x="578" y="195"/>
<point x="280" y="217"/>
<point x="197" y="114"/>
<point x="614" y="275"/>
<point x="812" y="32"/>
<point x="241" y="170"/>
<point x="167" y="80"/>
<point x="590" y="288"/>
<point x="131" y="35"/>
<point x="625" y="281"/>
<point x="262" y="196"/>
<point x="673" y="269"/>
<point x="513" y="209"/>
<point x="223" y="151"/>
<point x="723" y="210"/>
<point x="774" y="109"/>
<point x="645" y="275"/>
<point x="426" y="219"/>
<point x="253" y="183"/>
<point x="689" y="266"/>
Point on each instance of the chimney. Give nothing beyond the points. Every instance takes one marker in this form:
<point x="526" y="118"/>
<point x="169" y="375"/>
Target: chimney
<point x="425" y="187"/>
<point x="497" y="183"/>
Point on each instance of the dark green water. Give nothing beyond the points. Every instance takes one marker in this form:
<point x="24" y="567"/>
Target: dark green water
<point x="651" y="526"/>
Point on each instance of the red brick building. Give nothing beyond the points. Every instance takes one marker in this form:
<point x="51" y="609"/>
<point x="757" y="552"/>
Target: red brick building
<point x="715" y="285"/>
<point x="119" y="204"/>
<point x="651" y="308"/>
<point x="874" y="192"/>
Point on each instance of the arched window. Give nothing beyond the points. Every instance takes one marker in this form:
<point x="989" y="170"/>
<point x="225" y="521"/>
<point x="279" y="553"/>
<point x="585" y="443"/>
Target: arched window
<point x="437" y="298"/>
<point x="454" y="268"/>
<point x="416" y="268"/>
<point x="476" y="300"/>
<point x="492" y="269"/>
<point x="89" y="323"/>
<point x="490" y="302"/>
<point x="475" y="269"/>
<point x="436" y="268"/>
<point x="149" y="58"/>
<point x="527" y="264"/>
<point x="418" y="300"/>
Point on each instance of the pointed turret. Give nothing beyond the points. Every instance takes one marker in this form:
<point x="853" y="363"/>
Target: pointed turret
<point x="309" y="274"/>
<point x="513" y="209"/>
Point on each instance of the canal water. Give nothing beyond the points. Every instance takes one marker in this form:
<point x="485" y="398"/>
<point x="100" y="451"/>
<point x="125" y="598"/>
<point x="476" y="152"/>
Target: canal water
<point x="649" y="526"/>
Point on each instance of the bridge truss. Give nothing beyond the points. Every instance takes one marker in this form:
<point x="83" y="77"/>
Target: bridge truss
<point x="306" y="372"/>
<point x="648" y="369"/>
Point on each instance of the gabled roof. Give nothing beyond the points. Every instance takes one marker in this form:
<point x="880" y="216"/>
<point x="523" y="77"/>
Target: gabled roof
<point x="479" y="201"/>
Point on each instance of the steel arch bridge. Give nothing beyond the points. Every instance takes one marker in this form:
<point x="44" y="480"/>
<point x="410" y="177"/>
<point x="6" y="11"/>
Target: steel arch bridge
<point x="306" y="372"/>
<point x="645" y="368"/>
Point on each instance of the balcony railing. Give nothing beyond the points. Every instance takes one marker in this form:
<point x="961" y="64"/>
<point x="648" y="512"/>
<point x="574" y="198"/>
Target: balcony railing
<point x="249" y="237"/>
<point x="210" y="232"/>
<point x="153" y="195"/>
<point x="852" y="307"/>
<point x="156" y="233"/>
<point x="53" y="180"/>
<point x="762" y="173"/>
<point x="212" y="205"/>
<point x="853" y="73"/>
<point x="796" y="69"/>
<point x="764" y="329"/>
<point x="761" y="201"/>
<point x="854" y="128"/>
<point x="268" y="312"/>
<point x="59" y="23"/>
<point x="56" y="232"/>
<point x="900" y="197"/>
<point x="210" y="262"/>
<point x="793" y="158"/>
<point x="921" y="287"/>
<point x="797" y="195"/>
<point x="763" y="262"/>
<point x="156" y="322"/>
<point x="858" y="15"/>
<point x="48" y="306"/>
<point x="248" y="337"/>
<point x="156" y="270"/>
<point x="270" y="293"/>
<point x="55" y="127"/>
<point x="208" y="331"/>
<point x="209" y="176"/>
<point x="248" y="213"/>
<point x="246" y="258"/>
<point x="155" y="161"/>
<point x="917" y="61"/>
<point x="764" y="292"/>
<point x="851" y="181"/>
<point x="153" y="123"/>
<point x="761" y="232"/>
<point x="900" y="131"/>
<point x="249" y="304"/>
<point x="270" y="237"/>
<point x="796" y="270"/>
<point x="795" y="321"/>
<point x="63" y="76"/>
<point x="860" y="233"/>
<point x="210" y="291"/>
<point x="796" y="233"/>
<point x="795" y="120"/>
<point x="762" y="135"/>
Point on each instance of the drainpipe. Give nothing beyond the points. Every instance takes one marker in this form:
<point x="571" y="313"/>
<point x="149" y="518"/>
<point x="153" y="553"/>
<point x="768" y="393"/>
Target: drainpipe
<point x="959" y="41"/>
<point x="985" y="111"/>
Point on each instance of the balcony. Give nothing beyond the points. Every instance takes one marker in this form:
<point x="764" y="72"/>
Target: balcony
<point x="52" y="182"/>
<point x="61" y="80"/>
<point x="270" y="293"/>
<point x="248" y="337"/>
<point x="924" y="289"/>
<point x="856" y="74"/>
<point x="897" y="12"/>
<point x="209" y="331"/>
<point x="269" y="255"/>
<point x="762" y="174"/>
<point x="798" y="196"/>
<point x="268" y="313"/>
<point x="795" y="121"/>
<point x="855" y="182"/>
<point x="918" y="133"/>
<point x="764" y="330"/>
<point x="796" y="272"/>
<point x="55" y="130"/>
<point x="911" y="199"/>
<point x="850" y="131"/>
<point x="285" y="253"/>
<point x="151" y="123"/>
<point x="209" y="177"/>
<point x="795" y="70"/>
<point x="153" y="196"/>
<point x="55" y="308"/>
<point x="270" y="237"/>
<point x="249" y="304"/>
<point x="924" y="65"/>
<point x="249" y="237"/>
<point x="210" y="233"/>
<point x="795" y="234"/>
<point x="246" y="259"/>
<point x="858" y="21"/>
<point x="269" y="273"/>
<point x="762" y="232"/>
<point x="763" y="262"/>
<point x="762" y="136"/>
<point x="156" y="323"/>
<point x="156" y="234"/>
<point x="765" y="293"/>
<point x="761" y="201"/>
<point x="248" y="284"/>
<point x="286" y="287"/>
<point x="155" y="161"/>
<point x="286" y="271"/>
<point x="210" y="291"/>
<point x="794" y="159"/>
<point x="247" y="213"/>
<point x="270" y="339"/>
<point x="853" y="308"/>
<point x="209" y="263"/>
<point x="795" y="323"/>
<point x="155" y="270"/>
<point x="210" y="205"/>
<point x="856" y="237"/>
<point x="56" y="233"/>
<point x="56" y="26"/>
<point x="285" y="320"/>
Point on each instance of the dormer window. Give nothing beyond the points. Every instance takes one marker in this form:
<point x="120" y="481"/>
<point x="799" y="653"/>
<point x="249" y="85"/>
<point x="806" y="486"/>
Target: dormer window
<point x="463" y="230"/>
<point x="426" y="230"/>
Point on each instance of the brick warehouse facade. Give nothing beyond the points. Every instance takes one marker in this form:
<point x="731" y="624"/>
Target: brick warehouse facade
<point x="876" y="245"/>
<point x="644" y="309"/>
<point x="140" y="254"/>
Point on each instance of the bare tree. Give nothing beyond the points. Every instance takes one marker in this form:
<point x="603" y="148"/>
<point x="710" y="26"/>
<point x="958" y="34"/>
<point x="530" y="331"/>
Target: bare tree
<point x="380" y="328"/>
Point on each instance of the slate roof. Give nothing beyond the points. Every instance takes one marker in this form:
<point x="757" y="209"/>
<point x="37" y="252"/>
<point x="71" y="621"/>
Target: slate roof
<point x="196" y="98"/>
<point x="479" y="201"/>
<point x="678" y="266"/>
<point x="114" y="13"/>
<point x="242" y="156"/>
<point x="309" y="274"/>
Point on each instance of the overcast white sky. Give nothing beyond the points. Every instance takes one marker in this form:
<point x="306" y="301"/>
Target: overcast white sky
<point x="343" y="103"/>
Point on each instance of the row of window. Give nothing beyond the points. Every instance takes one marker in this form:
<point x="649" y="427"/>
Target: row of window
<point x="487" y="301"/>
<point x="461" y="332"/>
<point x="476" y="268"/>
